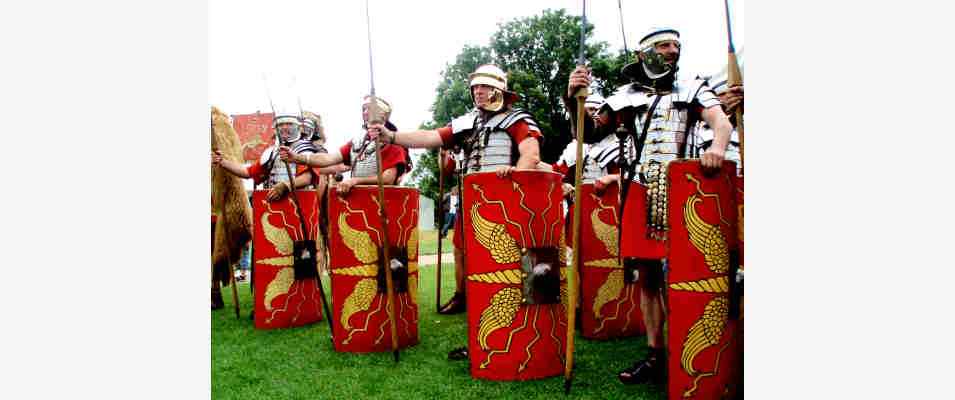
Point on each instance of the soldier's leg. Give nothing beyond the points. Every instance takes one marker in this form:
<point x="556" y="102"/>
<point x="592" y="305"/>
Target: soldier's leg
<point x="457" y="304"/>
<point x="653" y="367"/>
<point x="458" y="271"/>
<point x="651" y="286"/>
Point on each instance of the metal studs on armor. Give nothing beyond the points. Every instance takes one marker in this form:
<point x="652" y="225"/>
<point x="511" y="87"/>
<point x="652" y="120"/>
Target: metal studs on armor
<point x="655" y="174"/>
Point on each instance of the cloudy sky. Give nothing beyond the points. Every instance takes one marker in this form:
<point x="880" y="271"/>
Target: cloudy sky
<point x="317" y="51"/>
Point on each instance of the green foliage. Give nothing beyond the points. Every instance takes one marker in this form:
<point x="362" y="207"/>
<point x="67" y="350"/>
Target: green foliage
<point x="538" y="53"/>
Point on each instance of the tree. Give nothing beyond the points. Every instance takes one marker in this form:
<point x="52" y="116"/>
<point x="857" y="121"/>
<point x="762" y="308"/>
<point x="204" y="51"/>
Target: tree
<point x="538" y="53"/>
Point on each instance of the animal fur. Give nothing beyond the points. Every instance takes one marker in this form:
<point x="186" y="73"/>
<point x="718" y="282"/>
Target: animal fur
<point x="229" y="201"/>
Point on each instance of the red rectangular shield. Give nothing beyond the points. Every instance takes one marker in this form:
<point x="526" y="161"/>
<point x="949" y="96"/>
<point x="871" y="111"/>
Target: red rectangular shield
<point x="503" y="218"/>
<point x="360" y="307"/>
<point x="610" y="306"/>
<point x="703" y="340"/>
<point x="281" y="301"/>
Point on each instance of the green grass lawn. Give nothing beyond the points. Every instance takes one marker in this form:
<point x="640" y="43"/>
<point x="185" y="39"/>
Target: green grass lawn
<point x="300" y="363"/>
<point x="428" y="243"/>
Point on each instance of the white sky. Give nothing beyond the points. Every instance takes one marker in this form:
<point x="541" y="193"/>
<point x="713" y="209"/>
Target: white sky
<point x="318" y="50"/>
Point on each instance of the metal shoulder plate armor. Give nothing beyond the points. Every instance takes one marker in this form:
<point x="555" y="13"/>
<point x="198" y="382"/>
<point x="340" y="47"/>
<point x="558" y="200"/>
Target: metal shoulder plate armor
<point x="598" y="156"/>
<point x="271" y="162"/>
<point x="363" y="158"/>
<point x="487" y="145"/>
<point x="671" y="118"/>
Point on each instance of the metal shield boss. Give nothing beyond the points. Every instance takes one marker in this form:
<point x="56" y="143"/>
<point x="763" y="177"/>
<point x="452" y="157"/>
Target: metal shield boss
<point x="516" y="266"/>
<point x="703" y="334"/>
<point x="610" y="300"/>
<point x="359" y="295"/>
<point x="286" y="292"/>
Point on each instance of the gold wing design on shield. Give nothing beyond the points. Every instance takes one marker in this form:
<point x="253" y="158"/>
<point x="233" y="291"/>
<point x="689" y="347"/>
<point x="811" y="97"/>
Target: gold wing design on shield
<point x="495" y="239"/>
<point x="708" y="330"/>
<point x="359" y="300"/>
<point x="499" y="314"/>
<point x="609" y="291"/>
<point x="279" y="286"/>
<point x="359" y="242"/>
<point x="606" y="233"/>
<point x="284" y="279"/>
<point x="708" y="239"/>
<point x="705" y="332"/>
<point x="277" y="236"/>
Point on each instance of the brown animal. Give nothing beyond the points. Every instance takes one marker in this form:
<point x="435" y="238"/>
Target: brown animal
<point x="229" y="201"/>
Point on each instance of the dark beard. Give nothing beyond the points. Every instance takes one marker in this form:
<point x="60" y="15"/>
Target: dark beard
<point x="661" y="85"/>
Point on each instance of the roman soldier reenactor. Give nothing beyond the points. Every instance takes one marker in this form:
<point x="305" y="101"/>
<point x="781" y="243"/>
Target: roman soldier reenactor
<point x="657" y="109"/>
<point x="357" y="263"/>
<point x="610" y="298"/>
<point x="512" y="230"/>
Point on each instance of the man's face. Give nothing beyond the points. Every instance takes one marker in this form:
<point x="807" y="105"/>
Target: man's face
<point x="670" y="50"/>
<point x="365" y="114"/>
<point x="591" y="112"/>
<point x="482" y="95"/>
<point x="285" y="130"/>
<point x="598" y="117"/>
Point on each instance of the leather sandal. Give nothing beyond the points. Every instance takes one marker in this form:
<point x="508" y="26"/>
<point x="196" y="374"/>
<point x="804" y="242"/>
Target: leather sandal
<point x="458" y="354"/>
<point x="456" y="305"/>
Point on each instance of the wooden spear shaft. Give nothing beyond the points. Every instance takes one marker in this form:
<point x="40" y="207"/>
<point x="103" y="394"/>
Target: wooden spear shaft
<point x="386" y="263"/>
<point x="734" y="78"/>
<point x="441" y="222"/>
<point x="581" y="96"/>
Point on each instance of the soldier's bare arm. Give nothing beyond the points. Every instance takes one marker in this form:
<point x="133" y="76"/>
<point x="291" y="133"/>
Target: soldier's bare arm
<point x="231" y="167"/>
<point x="530" y="153"/>
<point x="310" y="159"/>
<point x="334" y="169"/>
<point x="303" y="180"/>
<point x="387" y="176"/>
<point x="714" y="116"/>
<point x="412" y="140"/>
